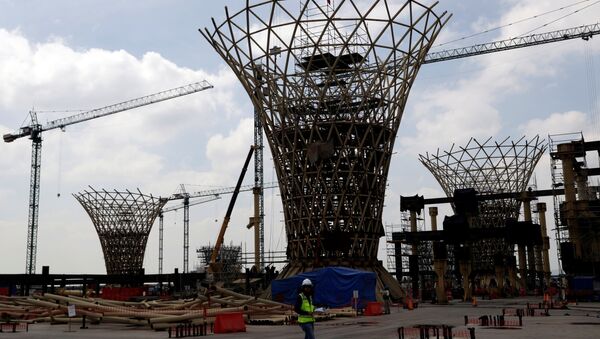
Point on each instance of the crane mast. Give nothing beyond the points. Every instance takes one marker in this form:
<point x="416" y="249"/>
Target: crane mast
<point x="186" y="224"/>
<point x="34" y="131"/>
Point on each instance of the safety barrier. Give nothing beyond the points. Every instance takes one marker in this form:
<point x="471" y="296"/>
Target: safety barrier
<point x="545" y="305"/>
<point x="373" y="308"/>
<point x="525" y="312"/>
<point x="188" y="330"/>
<point x="229" y="323"/>
<point x="495" y="321"/>
<point x="121" y="293"/>
<point x="14" y="327"/>
<point x="435" y="331"/>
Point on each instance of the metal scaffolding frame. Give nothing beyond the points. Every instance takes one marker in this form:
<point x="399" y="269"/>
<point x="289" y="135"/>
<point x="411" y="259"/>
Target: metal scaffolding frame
<point x="229" y="259"/>
<point x="330" y="104"/>
<point x="123" y="221"/>
<point x="561" y="231"/>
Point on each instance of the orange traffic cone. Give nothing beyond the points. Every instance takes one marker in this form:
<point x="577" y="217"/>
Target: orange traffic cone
<point x="474" y="302"/>
<point x="409" y="305"/>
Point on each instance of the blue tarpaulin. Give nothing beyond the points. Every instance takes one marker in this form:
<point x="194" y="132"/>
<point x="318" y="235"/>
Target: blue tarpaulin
<point x="333" y="286"/>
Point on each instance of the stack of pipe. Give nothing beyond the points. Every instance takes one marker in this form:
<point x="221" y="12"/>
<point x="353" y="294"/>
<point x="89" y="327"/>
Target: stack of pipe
<point x="153" y="314"/>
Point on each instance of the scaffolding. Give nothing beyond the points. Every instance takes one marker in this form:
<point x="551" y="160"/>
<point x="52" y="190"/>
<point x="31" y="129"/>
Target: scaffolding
<point x="390" y="247"/>
<point x="229" y="260"/>
<point x="561" y="230"/>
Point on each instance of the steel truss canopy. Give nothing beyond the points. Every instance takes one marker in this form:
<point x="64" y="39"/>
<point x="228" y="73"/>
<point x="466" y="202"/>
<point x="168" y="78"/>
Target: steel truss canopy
<point x="491" y="168"/>
<point x="123" y="221"/>
<point x="330" y="82"/>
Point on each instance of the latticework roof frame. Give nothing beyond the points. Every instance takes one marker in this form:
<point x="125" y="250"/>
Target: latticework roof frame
<point x="331" y="120"/>
<point x="123" y="221"/>
<point x="488" y="167"/>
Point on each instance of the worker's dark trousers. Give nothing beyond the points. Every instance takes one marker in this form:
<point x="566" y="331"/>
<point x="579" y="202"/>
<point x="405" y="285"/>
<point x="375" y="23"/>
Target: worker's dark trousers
<point x="309" y="330"/>
<point x="386" y="306"/>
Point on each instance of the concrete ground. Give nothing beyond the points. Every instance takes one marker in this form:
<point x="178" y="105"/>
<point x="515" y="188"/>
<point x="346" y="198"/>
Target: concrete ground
<point x="579" y="321"/>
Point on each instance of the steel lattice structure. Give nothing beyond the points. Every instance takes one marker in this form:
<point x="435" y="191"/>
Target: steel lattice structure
<point x="330" y="82"/>
<point x="488" y="167"/>
<point x="229" y="259"/>
<point x="123" y="221"/>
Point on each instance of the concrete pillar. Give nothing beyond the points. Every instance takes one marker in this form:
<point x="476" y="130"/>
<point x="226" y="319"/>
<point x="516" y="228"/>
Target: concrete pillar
<point x="500" y="277"/>
<point x="567" y="156"/>
<point x="439" y="266"/>
<point x="531" y="266"/>
<point x="416" y="288"/>
<point x="527" y="209"/>
<point x="413" y="228"/>
<point x="465" y="271"/>
<point x="511" y="264"/>
<point x="433" y="213"/>
<point x="541" y="207"/>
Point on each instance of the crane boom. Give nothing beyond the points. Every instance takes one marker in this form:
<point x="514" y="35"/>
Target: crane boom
<point x="112" y="109"/>
<point x="34" y="131"/>
<point x="583" y="32"/>
<point x="219" y="242"/>
<point x="218" y="191"/>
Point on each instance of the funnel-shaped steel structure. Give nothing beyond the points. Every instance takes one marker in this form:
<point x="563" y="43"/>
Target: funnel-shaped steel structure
<point x="489" y="167"/>
<point x="330" y="80"/>
<point x="123" y="221"/>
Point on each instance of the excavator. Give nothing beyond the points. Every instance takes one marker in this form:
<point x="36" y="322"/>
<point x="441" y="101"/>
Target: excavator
<point x="214" y="267"/>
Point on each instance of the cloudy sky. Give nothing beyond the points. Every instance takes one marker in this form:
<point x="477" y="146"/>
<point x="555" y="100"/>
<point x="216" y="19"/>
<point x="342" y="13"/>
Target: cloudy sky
<point x="72" y="55"/>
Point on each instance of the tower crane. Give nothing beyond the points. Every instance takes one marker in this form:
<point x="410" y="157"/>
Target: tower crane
<point x="186" y="224"/>
<point x="34" y="132"/>
<point x="204" y="196"/>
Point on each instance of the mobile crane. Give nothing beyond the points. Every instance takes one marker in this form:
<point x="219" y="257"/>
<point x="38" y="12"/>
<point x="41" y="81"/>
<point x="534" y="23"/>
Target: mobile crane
<point x="213" y="266"/>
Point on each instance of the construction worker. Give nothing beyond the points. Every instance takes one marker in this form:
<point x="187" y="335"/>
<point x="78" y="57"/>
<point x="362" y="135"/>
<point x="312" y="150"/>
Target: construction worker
<point x="305" y="309"/>
<point x="386" y="300"/>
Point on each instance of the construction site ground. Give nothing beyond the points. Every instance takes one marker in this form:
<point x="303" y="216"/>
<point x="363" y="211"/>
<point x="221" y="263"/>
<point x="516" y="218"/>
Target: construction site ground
<point x="581" y="320"/>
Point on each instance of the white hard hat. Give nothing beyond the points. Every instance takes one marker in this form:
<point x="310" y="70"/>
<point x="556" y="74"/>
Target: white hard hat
<point x="306" y="282"/>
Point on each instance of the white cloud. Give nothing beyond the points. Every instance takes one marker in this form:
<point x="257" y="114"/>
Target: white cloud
<point x="556" y="123"/>
<point x="154" y="147"/>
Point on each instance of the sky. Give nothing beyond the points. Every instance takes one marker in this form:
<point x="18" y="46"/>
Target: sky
<point x="76" y="55"/>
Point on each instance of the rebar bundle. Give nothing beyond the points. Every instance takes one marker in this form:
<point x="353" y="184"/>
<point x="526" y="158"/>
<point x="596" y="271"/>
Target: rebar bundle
<point x="330" y="81"/>
<point x="123" y="221"/>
